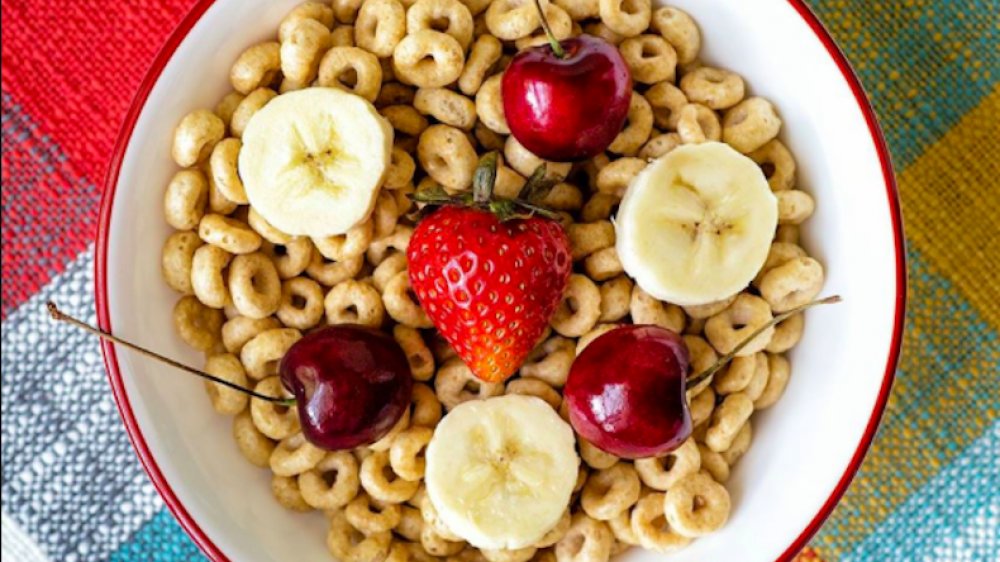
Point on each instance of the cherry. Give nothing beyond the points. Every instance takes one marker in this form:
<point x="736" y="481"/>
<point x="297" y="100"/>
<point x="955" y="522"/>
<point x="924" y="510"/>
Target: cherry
<point x="567" y="100"/>
<point x="351" y="383"/>
<point x="627" y="390"/>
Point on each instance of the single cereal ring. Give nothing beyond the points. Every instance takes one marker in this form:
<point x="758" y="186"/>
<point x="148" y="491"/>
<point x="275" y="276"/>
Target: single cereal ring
<point x="563" y="197"/>
<point x="663" y="472"/>
<point x="331" y="273"/>
<point x="666" y="102"/>
<point x="779" y="254"/>
<point x="697" y="123"/>
<point x="758" y="382"/>
<point x="737" y="375"/>
<point x="343" y="36"/>
<point x="615" y="178"/>
<point x="227" y="105"/>
<point x="616" y="297"/>
<point x="222" y="165"/>
<point x="385" y="442"/>
<point x="388" y="269"/>
<point x="525" y="163"/>
<point x="231" y="235"/>
<point x="587" y="238"/>
<point x="207" y="281"/>
<point x="301" y="50"/>
<point x="587" y="540"/>
<point x="714" y="464"/>
<point x="198" y="325"/>
<point x="318" y="11"/>
<point x="448" y="107"/>
<point x="555" y="534"/>
<point x="345" y="246"/>
<point x="177" y="261"/>
<point x="611" y="492"/>
<point x="353" y="302"/>
<point x="447" y="156"/>
<point x="649" y="526"/>
<point x="702" y="406"/>
<point x="727" y="420"/>
<point x="484" y="54"/>
<point x="301" y="305"/>
<point x="294" y="455"/>
<point x="621" y="528"/>
<point x="250" y="105"/>
<point x="195" y="136"/>
<point x="405" y="120"/>
<point x="646" y="309"/>
<point x="697" y="506"/>
<point x="380" y="26"/>
<point x="750" y="124"/>
<point x="411" y="523"/>
<point x="704" y="311"/>
<point x="389" y="488"/>
<point x="253" y="445"/>
<point x="432" y="15"/>
<point x="226" y="400"/>
<point x="593" y="457"/>
<point x="579" y="308"/>
<point x="372" y="516"/>
<point x="508" y="183"/>
<point x="402" y="305"/>
<point x="254" y="285"/>
<point x="386" y="215"/>
<point x="256" y="67"/>
<point x="418" y="355"/>
<point x="425" y="409"/>
<point x="276" y="421"/>
<point x="650" y="58"/>
<point x="777" y="164"/>
<point x="504" y="555"/>
<point x="536" y="388"/>
<point x="401" y="169"/>
<point x="680" y="30"/>
<point x="550" y="361"/>
<point x="638" y="125"/>
<point x="351" y="69"/>
<point x="750" y="313"/>
<point x="455" y="384"/>
<point x="436" y="545"/>
<point x="217" y="202"/>
<point x="602" y="31"/>
<point x="291" y="259"/>
<point x="346" y="11"/>
<point x="260" y="355"/>
<point x="787" y="333"/>
<point x="406" y="452"/>
<point x="792" y="283"/>
<point x="398" y="240"/>
<point x="237" y="331"/>
<point x="626" y="17"/>
<point x="714" y="88"/>
<point x="702" y="357"/>
<point x="348" y="544"/>
<point x="185" y="199"/>
<point x="580" y="10"/>
<point x="794" y="206"/>
<point x="509" y="20"/>
<point x="659" y="145"/>
<point x="428" y="59"/>
<point x="740" y="444"/>
<point x="560" y="24"/>
<point x="778" y="373"/>
<point x="286" y="491"/>
<point x="332" y="483"/>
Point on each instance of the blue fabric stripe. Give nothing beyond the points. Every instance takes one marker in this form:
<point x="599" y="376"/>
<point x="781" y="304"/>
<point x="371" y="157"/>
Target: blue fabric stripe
<point x="161" y="539"/>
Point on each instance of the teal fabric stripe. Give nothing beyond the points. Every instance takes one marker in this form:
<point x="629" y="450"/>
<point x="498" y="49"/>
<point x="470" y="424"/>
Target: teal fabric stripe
<point x="920" y="62"/>
<point x="955" y="517"/>
<point x="161" y="539"/>
<point x="959" y="346"/>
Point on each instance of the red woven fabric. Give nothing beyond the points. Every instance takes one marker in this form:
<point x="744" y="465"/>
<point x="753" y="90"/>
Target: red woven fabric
<point x="68" y="75"/>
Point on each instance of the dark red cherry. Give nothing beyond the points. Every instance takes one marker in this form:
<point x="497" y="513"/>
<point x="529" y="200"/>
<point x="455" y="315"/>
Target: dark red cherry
<point x="627" y="392"/>
<point x="351" y="385"/>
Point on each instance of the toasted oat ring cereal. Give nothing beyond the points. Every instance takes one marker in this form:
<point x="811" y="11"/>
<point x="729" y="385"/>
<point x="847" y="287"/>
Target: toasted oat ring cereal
<point x="352" y="69"/>
<point x="550" y="362"/>
<point x="747" y="311"/>
<point x="225" y="400"/>
<point x="648" y="525"/>
<point x="198" y="325"/>
<point x="792" y="283"/>
<point x="727" y="420"/>
<point x="677" y="27"/>
<point x="484" y="54"/>
<point x="231" y="235"/>
<point x="237" y="331"/>
<point x="659" y="145"/>
<point x="260" y="355"/>
<point x="399" y="240"/>
<point x="323" y="492"/>
<point x="787" y="333"/>
<point x="227" y="105"/>
<point x="274" y="420"/>
<point x="291" y="259"/>
<point x="222" y="165"/>
<point x="195" y="137"/>
<point x="254" y="285"/>
<point x="353" y="302"/>
<point x="517" y="555"/>
<point x="256" y="67"/>
<point x="448" y="107"/>
<point x="696" y="506"/>
<point x="750" y="124"/>
<point x="418" y="355"/>
<point x="556" y="533"/>
<point x="587" y="540"/>
<point x="616" y="296"/>
<point x="379" y="485"/>
<point x="663" y="472"/>
<point x="647" y="310"/>
<point x="455" y="384"/>
<point x="425" y="408"/>
<point x="380" y="26"/>
<point x="331" y="273"/>
<point x="615" y="178"/>
<point x="602" y="31"/>
<point x="343" y="36"/>
<point x="666" y="100"/>
<point x="638" y="127"/>
<point x="626" y="17"/>
<point x="536" y="388"/>
<point x="702" y="406"/>
<point x="593" y="457"/>
<point x="371" y="516"/>
<point x="294" y="455"/>
<point x="428" y="59"/>
<point x="610" y="492"/>
<point x="714" y="88"/>
<point x="247" y="107"/>
<point x="253" y="445"/>
<point x="345" y="246"/>
<point x="185" y="199"/>
<point x="579" y="308"/>
<point x="777" y="164"/>
<point x="349" y="544"/>
<point x="794" y="206"/>
<point x="402" y="305"/>
<point x="207" y="280"/>
<point x="777" y="379"/>
<point x="301" y="304"/>
<point x="436" y="545"/>
<point x="177" y="260"/>
<point x="314" y="10"/>
<point x="650" y="58"/>
<point x="405" y="453"/>
<point x="525" y="163"/>
<point x="509" y="20"/>
<point x="758" y="382"/>
<point x="448" y="156"/>
<point x="428" y="14"/>
<point x="401" y="169"/>
<point x="697" y="123"/>
<point x="286" y="491"/>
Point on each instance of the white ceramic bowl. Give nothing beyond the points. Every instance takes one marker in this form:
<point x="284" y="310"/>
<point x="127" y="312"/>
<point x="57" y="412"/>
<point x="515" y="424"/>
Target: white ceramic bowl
<point x="805" y="449"/>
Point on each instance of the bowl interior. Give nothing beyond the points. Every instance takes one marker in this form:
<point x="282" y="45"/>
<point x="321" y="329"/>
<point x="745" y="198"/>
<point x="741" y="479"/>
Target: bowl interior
<point x="801" y="447"/>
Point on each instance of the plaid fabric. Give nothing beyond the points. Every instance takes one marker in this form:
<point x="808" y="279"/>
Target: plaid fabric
<point x="72" y="489"/>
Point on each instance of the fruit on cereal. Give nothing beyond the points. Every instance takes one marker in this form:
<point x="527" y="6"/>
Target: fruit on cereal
<point x="500" y="472"/>
<point x="489" y="273"/>
<point x="627" y="390"/>
<point x="313" y="161"/>
<point x="567" y="100"/>
<point x="351" y="385"/>
<point x="695" y="225"/>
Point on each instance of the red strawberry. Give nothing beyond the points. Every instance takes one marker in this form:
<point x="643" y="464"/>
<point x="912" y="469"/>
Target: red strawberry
<point x="489" y="285"/>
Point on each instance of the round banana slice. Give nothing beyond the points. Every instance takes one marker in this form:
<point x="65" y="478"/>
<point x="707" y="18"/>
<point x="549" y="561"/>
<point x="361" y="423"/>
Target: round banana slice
<point x="500" y="472"/>
<point x="313" y="160"/>
<point x="695" y="226"/>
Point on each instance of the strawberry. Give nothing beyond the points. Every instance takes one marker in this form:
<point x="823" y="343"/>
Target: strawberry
<point x="489" y="279"/>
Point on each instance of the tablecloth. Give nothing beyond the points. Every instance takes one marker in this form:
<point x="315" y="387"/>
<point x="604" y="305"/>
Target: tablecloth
<point x="72" y="489"/>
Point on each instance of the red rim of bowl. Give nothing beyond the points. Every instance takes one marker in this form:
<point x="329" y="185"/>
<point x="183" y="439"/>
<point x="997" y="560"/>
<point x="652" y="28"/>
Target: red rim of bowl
<point x="139" y="442"/>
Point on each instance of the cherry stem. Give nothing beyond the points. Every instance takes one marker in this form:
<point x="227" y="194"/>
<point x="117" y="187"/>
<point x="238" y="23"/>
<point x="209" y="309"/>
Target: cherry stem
<point x="553" y="42"/>
<point x="62" y="316"/>
<point x="725" y="359"/>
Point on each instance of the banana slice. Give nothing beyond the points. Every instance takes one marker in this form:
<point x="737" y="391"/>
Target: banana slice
<point x="500" y="472"/>
<point x="313" y="160"/>
<point x="695" y="226"/>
